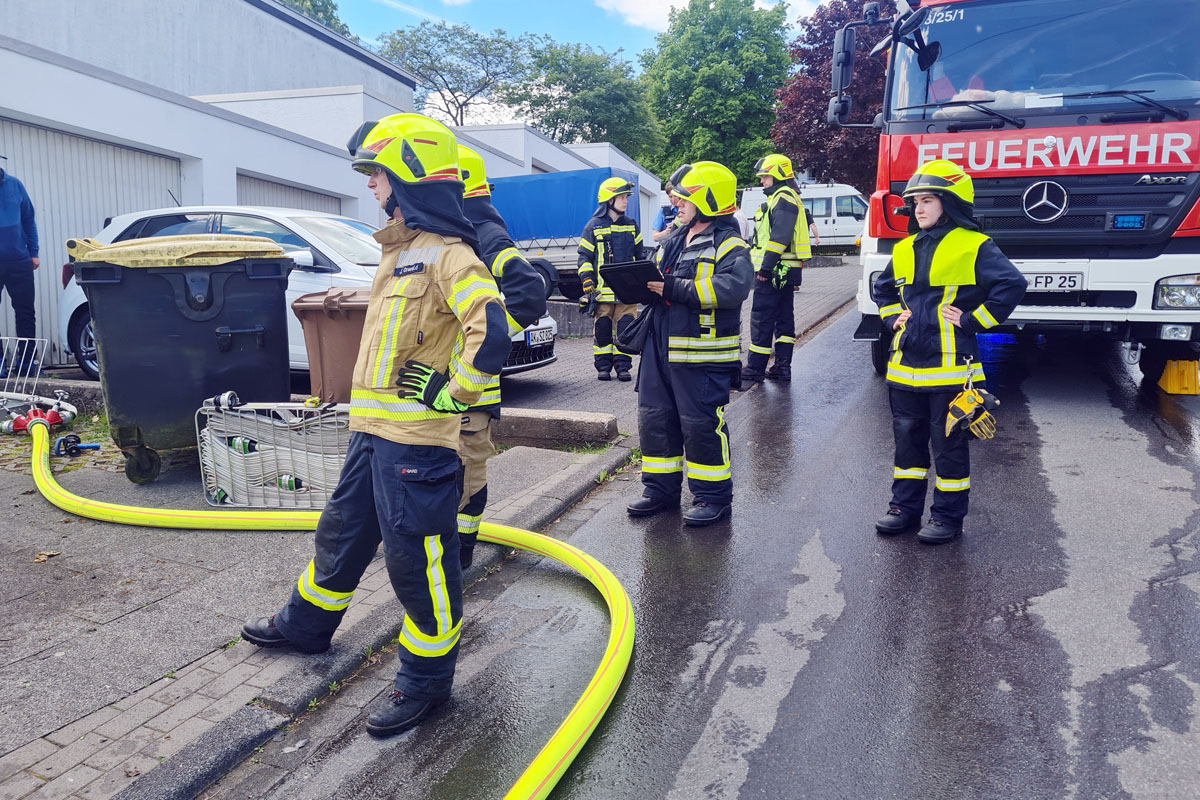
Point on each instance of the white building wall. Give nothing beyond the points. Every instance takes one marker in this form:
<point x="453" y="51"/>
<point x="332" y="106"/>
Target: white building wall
<point x="327" y="115"/>
<point x="208" y="47"/>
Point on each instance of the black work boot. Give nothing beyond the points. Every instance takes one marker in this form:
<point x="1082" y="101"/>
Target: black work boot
<point x="623" y="373"/>
<point x="896" y="521"/>
<point x="779" y="373"/>
<point x="751" y="375"/>
<point x="646" y="506"/>
<point x="466" y="554"/>
<point x="398" y="712"/>
<point x="938" y="532"/>
<point x="603" y="375"/>
<point x="704" y="513"/>
<point x="262" y="632"/>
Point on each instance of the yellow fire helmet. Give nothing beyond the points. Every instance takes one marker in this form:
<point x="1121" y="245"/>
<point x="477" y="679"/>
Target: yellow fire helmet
<point x="711" y="186"/>
<point x="474" y="175"/>
<point x="611" y="187"/>
<point x="942" y="178"/>
<point x="412" y="147"/>
<point x="776" y="165"/>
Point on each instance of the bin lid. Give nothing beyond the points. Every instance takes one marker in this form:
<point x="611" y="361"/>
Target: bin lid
<point x="329" y="301"/>
<point x="195" y="250"/>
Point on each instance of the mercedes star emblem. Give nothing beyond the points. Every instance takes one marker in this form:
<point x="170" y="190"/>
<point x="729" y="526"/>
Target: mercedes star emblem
<point x="1044" y="201"/>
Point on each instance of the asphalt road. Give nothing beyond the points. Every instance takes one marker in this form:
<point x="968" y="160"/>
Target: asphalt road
<point x="1052" y="652"/>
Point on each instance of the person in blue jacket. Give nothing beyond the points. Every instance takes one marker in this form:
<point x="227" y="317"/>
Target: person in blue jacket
<point x="18" y="256"/>
<point x="944" y="284"/>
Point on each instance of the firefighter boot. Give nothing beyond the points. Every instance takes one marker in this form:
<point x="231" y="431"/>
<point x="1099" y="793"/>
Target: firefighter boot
<point x="704" y="513"/>
<point x="398" y="712"/>
<point x="646" y="506"/>
<point x="755" y="364"/>
<point x="781" y="370"/>
<point x="623" y="372"/>
<point x="938" y="532"/>
<point x="895" y="521"/>
<point x="263" y="633"/>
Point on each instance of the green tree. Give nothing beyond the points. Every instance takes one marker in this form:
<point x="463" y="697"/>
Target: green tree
<point x="712" y="82"/>
<point x="830" y="153"/>
<point x="457" y="68"/>
<point x="578" y="94"/>
<point x="324" y="12"/>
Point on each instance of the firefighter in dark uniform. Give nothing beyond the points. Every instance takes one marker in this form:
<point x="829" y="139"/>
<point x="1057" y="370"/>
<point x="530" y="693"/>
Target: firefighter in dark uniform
<point x="610" y="237"/>
<point x="432" y="302"/>
<point x="944" y="284"/>
<point x="525" y="299"/>
<point x="692" y="355"/>
<point x="778" y="251"/>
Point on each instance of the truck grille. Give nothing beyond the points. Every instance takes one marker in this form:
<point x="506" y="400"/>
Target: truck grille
<point x="1092" y="199"/>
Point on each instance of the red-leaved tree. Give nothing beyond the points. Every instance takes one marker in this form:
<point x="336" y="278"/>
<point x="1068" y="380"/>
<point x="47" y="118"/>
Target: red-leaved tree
<point x="830" y="153"/>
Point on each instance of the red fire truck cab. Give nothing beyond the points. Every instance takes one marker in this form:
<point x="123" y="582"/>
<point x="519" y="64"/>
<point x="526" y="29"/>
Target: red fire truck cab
<point x="1079" y="122"/>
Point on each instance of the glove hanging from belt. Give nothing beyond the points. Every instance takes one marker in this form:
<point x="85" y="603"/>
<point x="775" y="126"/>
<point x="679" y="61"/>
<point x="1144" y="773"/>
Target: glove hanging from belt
<point x="425" y="384"/>
<point x="588" y="303"/>
<point x="972" y="408"/>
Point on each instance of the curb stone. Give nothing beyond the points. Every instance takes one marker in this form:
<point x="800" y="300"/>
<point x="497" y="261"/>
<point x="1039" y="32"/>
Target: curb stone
<point x="199" y="764"/>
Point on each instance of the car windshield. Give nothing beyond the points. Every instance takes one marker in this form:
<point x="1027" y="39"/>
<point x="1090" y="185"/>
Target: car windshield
<point x="1021" y="58"/>
<point x="351" y="239"/>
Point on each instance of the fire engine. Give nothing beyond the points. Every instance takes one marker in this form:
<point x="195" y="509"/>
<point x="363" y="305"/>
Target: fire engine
<point x="1079" y="122"/>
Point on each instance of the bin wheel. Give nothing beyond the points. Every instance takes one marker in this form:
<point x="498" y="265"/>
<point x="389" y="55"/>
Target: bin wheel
<point x="142" y="464"/>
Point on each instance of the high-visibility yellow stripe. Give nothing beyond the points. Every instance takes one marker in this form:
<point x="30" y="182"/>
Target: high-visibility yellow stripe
<point x="321" y="598"/>
<point x="469" y="377"/>
<point x="715" y="356"/>
<point x="662" y="464"/>
<point x="916" y="473"/>
<point x="489" y="396"/>
<point x="599" y="350"/>
<point x="435" y="576"/>
<point x="887" y="311"/>
<point x="786" y="340"/>
<point x="930" y="376"/>
<point x="468" y="291"/>
<point x="502" y="258"/>
<point x="984" y="318"/>
<point x="514" y="327"/>
<point x="775" y="247"/>
<point x="703" y="343"/>
<point x="377" y="405"/>
<point x="729" y="244"/>
<point x="709" y="472"/>
<point x="723" y="433"/>
<point x="385" y="359"/>
<point x="469" y="523"/>
<point x="952" y="484"/>
<point x="586" y="245"/>
<point x="946" y="328"/>
<point x="417" y="643"/>
<point x="766" y="351"/>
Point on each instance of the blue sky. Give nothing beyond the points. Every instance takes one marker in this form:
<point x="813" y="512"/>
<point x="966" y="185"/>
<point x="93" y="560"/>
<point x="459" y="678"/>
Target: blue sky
<point x="610" y="24"/>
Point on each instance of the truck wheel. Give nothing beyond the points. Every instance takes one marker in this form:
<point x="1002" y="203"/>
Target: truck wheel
<point x="1155" y="356"/>
<point x="879" y="356"/>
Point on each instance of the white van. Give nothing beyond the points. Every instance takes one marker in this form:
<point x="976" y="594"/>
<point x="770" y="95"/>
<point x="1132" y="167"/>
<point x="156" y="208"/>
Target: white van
<point x="836" y="209"/>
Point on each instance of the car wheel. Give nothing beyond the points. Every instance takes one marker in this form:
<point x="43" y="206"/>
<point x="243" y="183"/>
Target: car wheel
<point x="548" y="272"/>
<point x="879" y="356"/>
<point x="83" y="344"/>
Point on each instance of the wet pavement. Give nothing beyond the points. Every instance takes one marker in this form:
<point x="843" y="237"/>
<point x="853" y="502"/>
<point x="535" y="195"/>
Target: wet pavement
<point x="1053" y="651"/>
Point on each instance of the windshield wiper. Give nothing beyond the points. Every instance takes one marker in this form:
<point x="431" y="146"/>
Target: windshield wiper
<point x="1136" y="95"/>
<point x="975" y="105"/>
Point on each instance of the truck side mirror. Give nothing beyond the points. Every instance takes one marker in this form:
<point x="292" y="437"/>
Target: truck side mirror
<point x="843" y="60"/>
<point x="839" y="109"/>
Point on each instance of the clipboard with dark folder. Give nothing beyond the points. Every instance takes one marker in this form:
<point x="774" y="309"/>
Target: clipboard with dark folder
<point x="628" y="280"/>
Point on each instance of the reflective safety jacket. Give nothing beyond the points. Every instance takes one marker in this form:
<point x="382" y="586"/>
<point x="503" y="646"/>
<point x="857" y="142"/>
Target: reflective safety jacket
<point x="780" y="231"/>
<point x="429" y="293"/>
<point x="607" y="242"/>
<point x="520" y="284"/>
<point x="944" y="266"/>
<point x="704" y="290"/>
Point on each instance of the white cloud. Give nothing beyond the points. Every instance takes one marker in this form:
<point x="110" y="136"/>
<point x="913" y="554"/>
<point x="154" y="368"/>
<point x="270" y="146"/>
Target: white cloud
<point x="652" y="14"/>
<point x="408" y="9"/>
<point x="655" y="14"/>
<point x="456" y="2"/>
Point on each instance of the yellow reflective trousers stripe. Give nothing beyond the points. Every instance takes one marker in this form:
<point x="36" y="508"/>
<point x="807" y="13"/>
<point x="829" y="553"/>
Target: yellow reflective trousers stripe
<point x="321" y="598"/>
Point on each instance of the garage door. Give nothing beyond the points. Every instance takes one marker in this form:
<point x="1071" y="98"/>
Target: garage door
<point x="257" y="192"/>
<point x="75" y="183"/>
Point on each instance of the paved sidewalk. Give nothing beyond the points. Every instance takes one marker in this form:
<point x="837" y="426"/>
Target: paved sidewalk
<point x="115" y="722"/>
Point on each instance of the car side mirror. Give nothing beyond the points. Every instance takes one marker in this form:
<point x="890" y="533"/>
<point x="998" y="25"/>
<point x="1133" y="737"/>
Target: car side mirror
<point x="303" y="259"/>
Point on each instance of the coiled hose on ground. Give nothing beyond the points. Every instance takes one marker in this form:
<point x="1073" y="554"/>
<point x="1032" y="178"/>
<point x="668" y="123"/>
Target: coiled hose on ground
<point x="543" y="773"/>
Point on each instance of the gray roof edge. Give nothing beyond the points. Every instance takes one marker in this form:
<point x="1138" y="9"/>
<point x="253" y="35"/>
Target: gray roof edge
<point x="640" y="165"/>
<point x="108" y="76"/>
<point x="476" y="144"/>
<point x="316" y="29"/>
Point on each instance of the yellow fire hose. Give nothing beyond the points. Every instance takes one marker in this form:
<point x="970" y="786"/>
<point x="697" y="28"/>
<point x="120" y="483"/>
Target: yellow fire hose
<point x="544" y="771"/>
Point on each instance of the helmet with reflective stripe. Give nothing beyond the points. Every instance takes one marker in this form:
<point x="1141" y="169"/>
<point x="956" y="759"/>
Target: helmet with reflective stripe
<point x="470" y="164"/>
<point x="776" y="165"/>
<point x="711" y="186"/>
<point x="412" y="147"/>
<point x="941" y="178"/>
<point x="611" y="187"/>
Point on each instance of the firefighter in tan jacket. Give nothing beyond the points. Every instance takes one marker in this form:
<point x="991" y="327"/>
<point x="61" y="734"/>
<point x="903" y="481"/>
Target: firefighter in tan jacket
<point x="431" y="298"/>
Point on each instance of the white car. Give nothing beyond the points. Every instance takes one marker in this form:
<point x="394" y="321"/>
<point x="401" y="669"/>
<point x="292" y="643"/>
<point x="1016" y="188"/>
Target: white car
<point x="329" y="250"/>
<point x="837" y="210"/>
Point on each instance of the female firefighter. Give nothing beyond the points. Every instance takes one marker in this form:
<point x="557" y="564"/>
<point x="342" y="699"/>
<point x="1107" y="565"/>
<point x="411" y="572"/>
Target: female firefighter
<point x="944" y="284"/>
<point x="691" y="357"/>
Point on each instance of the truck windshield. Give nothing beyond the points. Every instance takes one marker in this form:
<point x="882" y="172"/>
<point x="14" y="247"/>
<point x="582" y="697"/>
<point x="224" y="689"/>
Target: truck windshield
<point x="1022" y="57"/>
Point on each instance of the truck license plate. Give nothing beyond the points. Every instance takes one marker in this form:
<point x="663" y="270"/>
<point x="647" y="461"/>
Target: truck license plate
<point x="543" y="336"/>
<point x="1055" y="281"/>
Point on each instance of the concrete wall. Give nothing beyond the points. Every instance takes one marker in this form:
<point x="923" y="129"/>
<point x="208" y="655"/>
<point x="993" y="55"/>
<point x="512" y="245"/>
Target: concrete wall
<point x="208" y="47"/>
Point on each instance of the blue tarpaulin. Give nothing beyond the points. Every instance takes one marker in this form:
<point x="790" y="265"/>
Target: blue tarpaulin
<point x="554" y="204"/>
